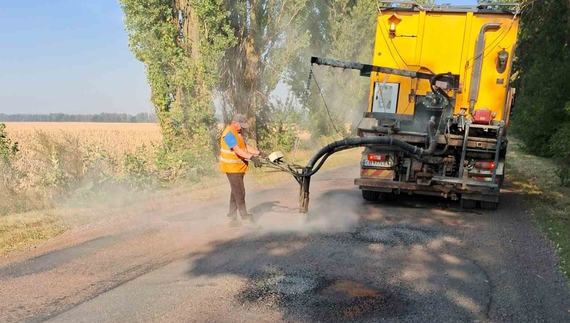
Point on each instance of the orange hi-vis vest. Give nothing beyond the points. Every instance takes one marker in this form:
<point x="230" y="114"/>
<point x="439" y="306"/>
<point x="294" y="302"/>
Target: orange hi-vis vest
<point x="230" y="162"/>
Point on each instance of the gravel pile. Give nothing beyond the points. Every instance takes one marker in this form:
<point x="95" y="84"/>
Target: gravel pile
<point x="275" y="289"/>
<point x="323" y="299"/>
<point x="401" y="234"/>
<point x="291" y="285"/>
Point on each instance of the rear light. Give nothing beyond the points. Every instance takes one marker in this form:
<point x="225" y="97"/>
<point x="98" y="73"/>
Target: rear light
<point x="485" y="165"/>
<point x="377" y="158"/>
<point x="483" y="116"/>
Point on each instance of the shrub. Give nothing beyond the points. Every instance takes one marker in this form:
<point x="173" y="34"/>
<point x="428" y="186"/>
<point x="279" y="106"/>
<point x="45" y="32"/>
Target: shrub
<point x="560" y="148"/>
<point x="8" y="156"/>
<point x="57" y="161"/>
<point x="99" y="167"/>
<point x="137" y="170"/>
<point x="180" y="162"/>
<point x="278" y="126"/>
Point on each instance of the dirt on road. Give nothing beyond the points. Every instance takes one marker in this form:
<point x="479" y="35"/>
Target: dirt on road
<point x="408" y="260"/>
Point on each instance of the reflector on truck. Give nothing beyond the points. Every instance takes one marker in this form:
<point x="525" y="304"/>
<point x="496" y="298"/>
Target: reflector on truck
<point x="378" y="173"/>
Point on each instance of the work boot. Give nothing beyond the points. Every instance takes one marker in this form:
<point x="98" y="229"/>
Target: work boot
<point x="234" y="223"/>
<point x="250" y="224"/>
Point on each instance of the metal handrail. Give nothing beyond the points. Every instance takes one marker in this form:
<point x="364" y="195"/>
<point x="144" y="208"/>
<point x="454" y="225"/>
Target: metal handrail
<point x="498" y="4"/>
<point x="409" y="2"/>
<point x="480" y="5"/>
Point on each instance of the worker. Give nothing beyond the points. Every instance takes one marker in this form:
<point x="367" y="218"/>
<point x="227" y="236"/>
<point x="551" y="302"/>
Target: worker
<point x="235" y="155"/>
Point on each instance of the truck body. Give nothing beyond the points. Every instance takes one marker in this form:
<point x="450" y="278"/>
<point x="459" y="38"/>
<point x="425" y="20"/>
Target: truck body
<point x="455" y="104"/>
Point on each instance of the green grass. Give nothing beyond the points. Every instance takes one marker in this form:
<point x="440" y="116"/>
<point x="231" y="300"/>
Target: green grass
<point x="536" y="178"/>
<point x="20" y="230"/>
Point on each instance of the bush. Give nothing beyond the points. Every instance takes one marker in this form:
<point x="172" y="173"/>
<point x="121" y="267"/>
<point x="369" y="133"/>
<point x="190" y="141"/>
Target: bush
<point x="8" y="156"/>
<point x="58" y="161"/>
<point x="278" y="126"/>
<point x="137" y="171"/>
<point x="560" y="148"/>
<point x="8" y="150"/>
<point x="99" y="167"/>
<point x="176" y="163"/>
<point x="541" y="116"/>
<point x="543" y="63"/>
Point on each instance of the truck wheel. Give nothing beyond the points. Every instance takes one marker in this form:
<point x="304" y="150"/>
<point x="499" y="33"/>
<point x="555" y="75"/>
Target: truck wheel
<point x="370" y="195"/>
<point x="468" y="204"/>
<point x="492" y="206"/>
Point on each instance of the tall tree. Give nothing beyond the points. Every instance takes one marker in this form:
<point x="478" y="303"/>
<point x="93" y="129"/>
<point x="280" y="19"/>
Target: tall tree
<point x="341" y="29"/>
<point x="191" y="46"/>
<point x="543" y="63"/>
<point x="180" y="42"/>
<point x="268" y="38"/>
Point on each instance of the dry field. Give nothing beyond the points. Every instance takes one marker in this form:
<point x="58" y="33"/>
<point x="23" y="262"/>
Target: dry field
<point x="49" y="153"/>
<point x="115" y="138"/>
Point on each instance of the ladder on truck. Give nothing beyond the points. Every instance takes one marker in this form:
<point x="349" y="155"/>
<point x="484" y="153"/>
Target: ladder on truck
<point x="496" y="151"/>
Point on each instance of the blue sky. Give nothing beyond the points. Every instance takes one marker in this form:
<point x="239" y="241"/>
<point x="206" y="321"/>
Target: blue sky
<point x="71" y="56"/>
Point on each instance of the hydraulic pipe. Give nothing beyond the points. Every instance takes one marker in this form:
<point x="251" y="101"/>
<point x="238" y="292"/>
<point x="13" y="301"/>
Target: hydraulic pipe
<point x="478" y="65"/>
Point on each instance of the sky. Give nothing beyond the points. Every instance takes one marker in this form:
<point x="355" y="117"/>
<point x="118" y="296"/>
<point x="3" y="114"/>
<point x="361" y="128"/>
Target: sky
<point x="71" y="56"/>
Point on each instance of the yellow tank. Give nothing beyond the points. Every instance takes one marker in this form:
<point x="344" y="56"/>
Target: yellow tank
<point x="476" y="45"/>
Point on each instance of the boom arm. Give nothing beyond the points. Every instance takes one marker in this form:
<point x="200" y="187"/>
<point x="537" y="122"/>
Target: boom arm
<point x="367" y="70"/>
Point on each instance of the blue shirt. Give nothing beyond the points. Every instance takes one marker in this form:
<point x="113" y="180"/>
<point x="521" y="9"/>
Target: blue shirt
<point x="231" y="140"/>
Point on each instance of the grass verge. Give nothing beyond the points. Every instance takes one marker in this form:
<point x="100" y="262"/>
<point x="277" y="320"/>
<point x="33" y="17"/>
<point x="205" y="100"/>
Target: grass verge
<point x="536" y="178"/>
<point x="20" y="230"/>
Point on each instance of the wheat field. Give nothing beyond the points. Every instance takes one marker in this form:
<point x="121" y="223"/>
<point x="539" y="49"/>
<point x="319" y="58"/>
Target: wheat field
<point x="115" y="138"/>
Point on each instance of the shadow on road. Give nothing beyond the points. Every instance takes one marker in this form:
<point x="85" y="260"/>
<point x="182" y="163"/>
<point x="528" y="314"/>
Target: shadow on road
<point x="261" y="209"/>
<point x="367" y="263"/>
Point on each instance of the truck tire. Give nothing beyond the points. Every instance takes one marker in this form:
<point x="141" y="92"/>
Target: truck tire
<point x="370" y="195"/>
<point x="468" y="204"/>
<point x="491" y="206"/>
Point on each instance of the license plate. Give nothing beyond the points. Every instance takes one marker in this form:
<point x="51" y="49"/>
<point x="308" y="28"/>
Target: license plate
<point x="368" y="163"/>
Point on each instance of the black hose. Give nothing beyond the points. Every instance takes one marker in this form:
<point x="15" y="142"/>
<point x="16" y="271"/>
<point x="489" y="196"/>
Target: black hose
<point x="432" y="137"/>
<point x="348" y="143"/>
<point x="310" y="172"/>
<point x="363" y="141"/>
<point x="427" y="69"/>
<point x="447" y="135"/>
<point x="304" y="179"/>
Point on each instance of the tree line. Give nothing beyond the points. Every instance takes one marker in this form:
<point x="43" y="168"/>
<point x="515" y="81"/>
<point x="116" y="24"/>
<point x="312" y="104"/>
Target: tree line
<point x="541" y="117"/>
<point x="62" y="117"/>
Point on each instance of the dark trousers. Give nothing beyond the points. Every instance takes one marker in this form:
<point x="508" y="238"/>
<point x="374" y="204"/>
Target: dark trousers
<point x="237" y="196"/>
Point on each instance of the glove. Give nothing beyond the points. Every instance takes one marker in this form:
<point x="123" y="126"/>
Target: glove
<point x="262" y="155"/>
<point x="256" y="161"/>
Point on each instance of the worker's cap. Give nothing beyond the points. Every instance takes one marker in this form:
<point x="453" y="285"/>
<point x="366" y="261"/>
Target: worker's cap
<point x="240" y="118"/>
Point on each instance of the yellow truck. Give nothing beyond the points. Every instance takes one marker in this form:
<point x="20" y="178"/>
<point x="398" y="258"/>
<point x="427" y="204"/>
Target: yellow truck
<point x="439" y="106"/>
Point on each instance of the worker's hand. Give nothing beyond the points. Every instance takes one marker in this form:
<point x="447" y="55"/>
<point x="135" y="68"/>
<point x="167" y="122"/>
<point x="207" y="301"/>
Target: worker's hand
<point x="262" y="155"/>
<point x="256" y="161"/>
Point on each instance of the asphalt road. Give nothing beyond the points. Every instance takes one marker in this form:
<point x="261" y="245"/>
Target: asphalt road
<point x="410" y="260"/>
